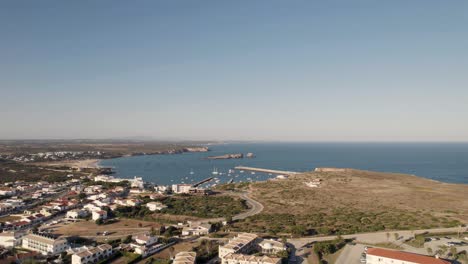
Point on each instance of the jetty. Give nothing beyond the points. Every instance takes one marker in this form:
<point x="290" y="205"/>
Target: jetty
<point x="266" y="170"/>
<point x="202" y="182"/>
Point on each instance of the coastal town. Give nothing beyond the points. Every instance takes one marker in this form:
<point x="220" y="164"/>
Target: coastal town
<point x="102" y="219"/>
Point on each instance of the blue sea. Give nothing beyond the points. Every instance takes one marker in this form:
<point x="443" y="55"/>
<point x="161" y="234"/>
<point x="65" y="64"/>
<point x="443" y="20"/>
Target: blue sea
<point x="446" y="162"/>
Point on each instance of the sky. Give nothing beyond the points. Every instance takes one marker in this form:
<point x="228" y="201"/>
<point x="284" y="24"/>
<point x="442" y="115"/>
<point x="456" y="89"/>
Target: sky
<point x="235" y="70"/>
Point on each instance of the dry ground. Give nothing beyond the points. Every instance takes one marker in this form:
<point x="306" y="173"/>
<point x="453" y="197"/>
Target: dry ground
<point x="119" y="229"/>
<point x="357" y="201"/>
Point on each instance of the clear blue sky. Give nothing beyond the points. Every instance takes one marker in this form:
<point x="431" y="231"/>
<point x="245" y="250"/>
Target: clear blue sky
<point x="249" y="70"/>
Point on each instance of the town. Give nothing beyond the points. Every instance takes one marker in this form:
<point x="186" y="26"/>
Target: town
<point x="41" y="221"/>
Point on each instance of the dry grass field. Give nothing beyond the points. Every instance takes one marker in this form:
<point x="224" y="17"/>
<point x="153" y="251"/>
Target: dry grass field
<point x="119" y="229"/>
<point x="354" y="201"/>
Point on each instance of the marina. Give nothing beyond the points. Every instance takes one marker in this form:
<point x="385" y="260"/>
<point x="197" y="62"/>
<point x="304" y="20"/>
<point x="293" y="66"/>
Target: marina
<point x="273" y="159"/>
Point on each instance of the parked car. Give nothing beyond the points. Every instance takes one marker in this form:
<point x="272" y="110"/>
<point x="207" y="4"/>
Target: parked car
<point x="363" y="257"/>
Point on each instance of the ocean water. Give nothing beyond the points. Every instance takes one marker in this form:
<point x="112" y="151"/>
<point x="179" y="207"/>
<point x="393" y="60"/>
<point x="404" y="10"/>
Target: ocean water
<point x="446" y="162"/>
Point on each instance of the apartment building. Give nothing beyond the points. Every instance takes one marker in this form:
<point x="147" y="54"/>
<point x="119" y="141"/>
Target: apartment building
<point x="45" y="244"/>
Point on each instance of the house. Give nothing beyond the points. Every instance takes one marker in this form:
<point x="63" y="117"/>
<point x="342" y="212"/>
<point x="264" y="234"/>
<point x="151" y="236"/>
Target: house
<point x="185" y="257"/>
<point x="145" y="239"/>
<point x="45" y="244"/>
<point x="243" y="243"/>
<point x="133" y="202"/>
<point x="386" y="256"/>
<point x="88" y="255"/>
<point x="137" y="182"/>
<point x="7" y="191"/>
<point x="77" y="213"/>
<point x="197" y="229"/>
<point x="11" y="239"/>
<point x="181" y="188"/>
<point x="91" y="207"/>
<point x="155" y="206"/>
<point x="96" y="215"/>
<point x="232" y="258"/>
<point x="145" y="251"/>
<point x="271" y="247"/>
<point x="5" y="208"/>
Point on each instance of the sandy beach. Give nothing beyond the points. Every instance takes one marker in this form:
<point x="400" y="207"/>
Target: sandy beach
<point x="87" y="163"/>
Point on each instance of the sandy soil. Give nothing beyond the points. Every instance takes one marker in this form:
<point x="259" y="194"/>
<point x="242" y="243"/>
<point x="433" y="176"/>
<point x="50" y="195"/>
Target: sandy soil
<point x="119" y="229"/>
<point x="363" y="190"/>
<point x="88" y="163"/>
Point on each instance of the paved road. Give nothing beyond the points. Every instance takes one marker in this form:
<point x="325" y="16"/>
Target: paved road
<point x="350" y="254"/>
<point x="255" y="208"/>
<point x="372" y="238"/>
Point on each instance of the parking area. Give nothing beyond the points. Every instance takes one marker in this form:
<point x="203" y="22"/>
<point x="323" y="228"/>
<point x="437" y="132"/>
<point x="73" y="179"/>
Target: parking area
<point x="436" y="243"/>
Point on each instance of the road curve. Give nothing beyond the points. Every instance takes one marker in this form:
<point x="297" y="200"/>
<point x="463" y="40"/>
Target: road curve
<point x="255" y="208"/>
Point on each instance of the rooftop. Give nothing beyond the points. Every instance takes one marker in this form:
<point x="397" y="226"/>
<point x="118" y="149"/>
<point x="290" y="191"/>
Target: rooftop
<point x="405" y="256"/>
<point x="240" y="241"/>
<point x="251" y="258"/>
<point x="185" y="257"/>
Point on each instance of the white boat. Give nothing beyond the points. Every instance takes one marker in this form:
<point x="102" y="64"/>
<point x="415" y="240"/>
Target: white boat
<point x="191" y="172"/>
<point x="253" y="172"/>
<point x="241" y="171"/>
<point x="215" y="171"/>
<point x="231" y="171"/>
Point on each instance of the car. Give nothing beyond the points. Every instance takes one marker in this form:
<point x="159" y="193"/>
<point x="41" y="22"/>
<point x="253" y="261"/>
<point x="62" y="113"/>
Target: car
<point x="447" y="237"/>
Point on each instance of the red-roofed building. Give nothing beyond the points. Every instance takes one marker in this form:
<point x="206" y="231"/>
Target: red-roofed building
<point x="385" y="256"/>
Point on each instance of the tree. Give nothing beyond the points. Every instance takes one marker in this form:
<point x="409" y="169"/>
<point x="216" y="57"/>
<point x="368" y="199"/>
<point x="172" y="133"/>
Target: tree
<point x="140" y="224"/>
<point x="171" y="252"/>
<point x="99" y="221"/>
<point x="229" y="219"/>
<point x="453" y="252"/>
<point x="396" y="235"/>
<point x="152" y="231"/>
<point x="388" y="236"/>
<point x="429" y="251"/>
<point x="284" y="240"/>
<point x="127" y="239"/>
<point x="82" y="196"/>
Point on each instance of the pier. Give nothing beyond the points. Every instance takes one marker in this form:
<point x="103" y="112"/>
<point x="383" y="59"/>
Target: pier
<point x="202" y="182"/>
<point x="266" y="170"/>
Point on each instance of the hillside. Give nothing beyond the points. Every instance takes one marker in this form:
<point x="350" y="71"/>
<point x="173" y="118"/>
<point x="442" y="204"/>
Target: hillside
<point x="351" y="201"/>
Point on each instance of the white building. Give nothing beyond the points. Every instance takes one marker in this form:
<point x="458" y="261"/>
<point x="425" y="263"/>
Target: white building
<point x="243" y="243"/>
<point x="11" y="239"/>
<point x="145" y="239"/>
<point x="185" y="257"/>
<point x="197" y="229"/>
<point x="249" y="259"/>
<point x="385" y="256"/>
<point x="96" y="215"/>
<point x="89" y="255"/>
<point x="44" y="244"/>
<point x="181" y="188"/>
<point x="77" y="213"/>
<point x="107" y="178"/>
<point x="137" y="182"/>
<point x="269" y="246"/>
<point x="145" y="251"/>
<point x="155" y="206"/>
